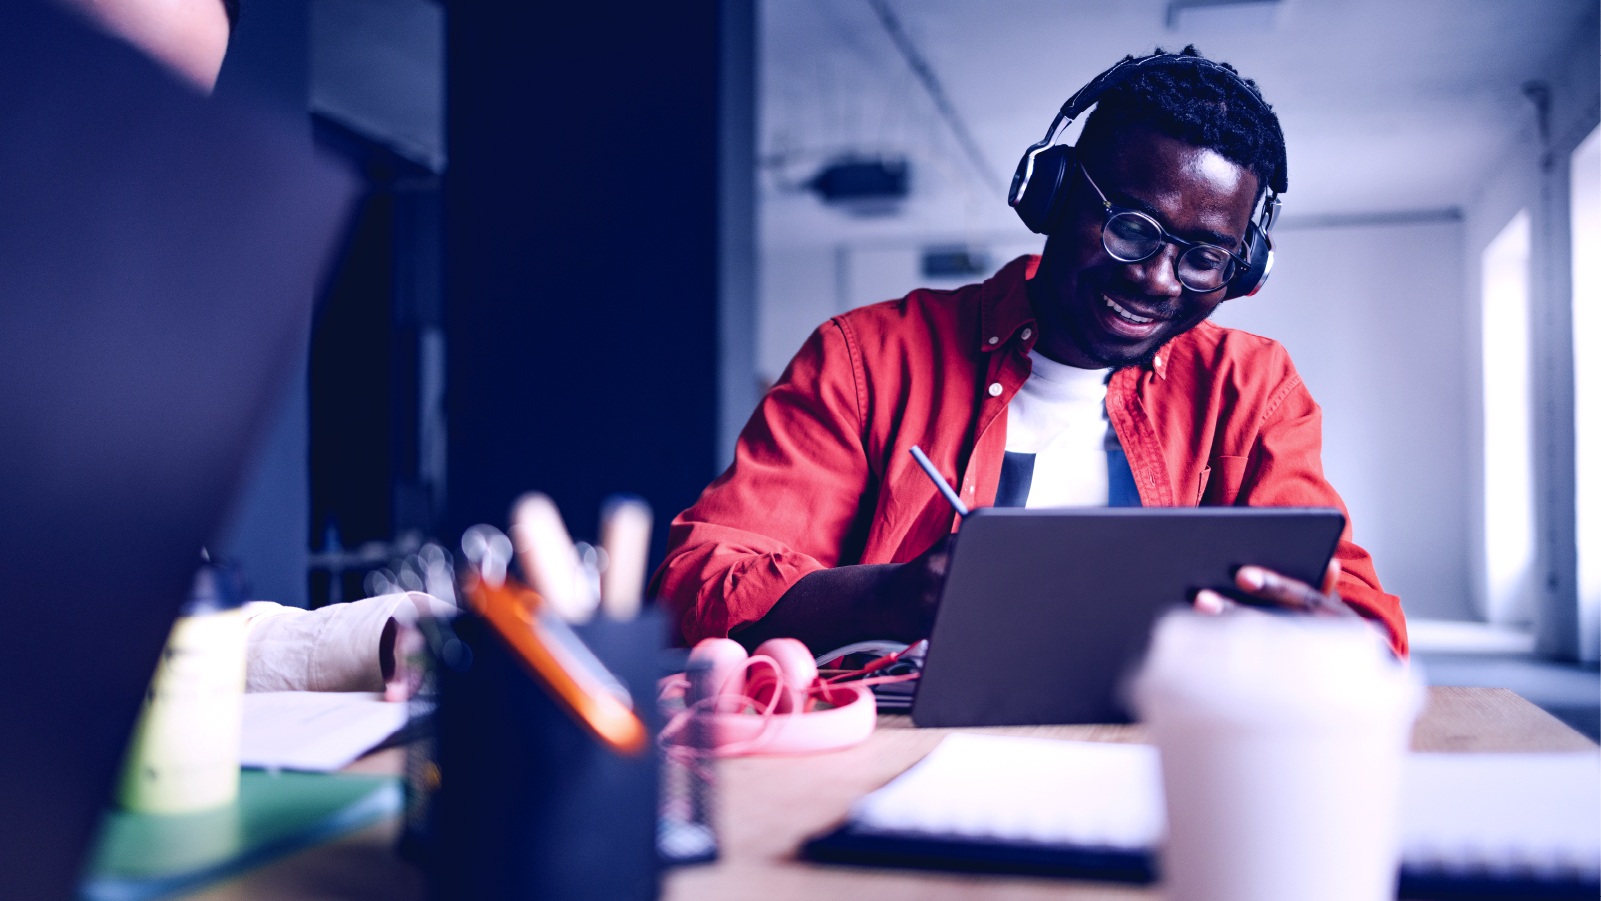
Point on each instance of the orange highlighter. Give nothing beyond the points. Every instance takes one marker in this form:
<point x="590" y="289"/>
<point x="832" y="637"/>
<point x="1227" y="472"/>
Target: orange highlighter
<point x="556" y="657"/>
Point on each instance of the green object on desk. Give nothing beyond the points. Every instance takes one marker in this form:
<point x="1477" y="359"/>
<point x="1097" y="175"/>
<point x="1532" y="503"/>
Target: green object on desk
<point x="141" y="856"/>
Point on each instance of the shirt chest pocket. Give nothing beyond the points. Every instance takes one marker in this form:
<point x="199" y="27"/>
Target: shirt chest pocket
<point x="1219" y="484"/>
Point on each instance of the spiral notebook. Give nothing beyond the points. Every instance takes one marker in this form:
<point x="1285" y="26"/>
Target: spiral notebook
<point x="1473" y="825"/>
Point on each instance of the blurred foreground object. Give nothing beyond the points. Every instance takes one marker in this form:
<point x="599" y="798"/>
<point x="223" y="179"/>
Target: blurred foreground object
<point x="549" y="559"/>
<point x="530" y="804"/>
<point x="540" y="639"/>
<point x="625" y="521"/>
<point x="541" y="780"/>
<point x="158" y="258"/>
<point x="1282" y="747"/>
<point x="575" y="578"/>
<point x="184" y="754"/>
<point x="687" y="830"/>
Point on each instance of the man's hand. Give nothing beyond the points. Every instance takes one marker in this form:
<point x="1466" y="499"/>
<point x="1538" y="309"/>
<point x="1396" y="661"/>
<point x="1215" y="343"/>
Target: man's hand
<point x="1281" y="591"/>
<point x="1290" y="594"/>
<point x="831" y="608"/>
<point x="400" y="650"/>
<point x="910" y="598"/>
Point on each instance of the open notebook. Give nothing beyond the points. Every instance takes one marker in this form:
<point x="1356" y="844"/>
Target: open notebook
<point x="1473" y="825"/>
<point x="317" y="731"/>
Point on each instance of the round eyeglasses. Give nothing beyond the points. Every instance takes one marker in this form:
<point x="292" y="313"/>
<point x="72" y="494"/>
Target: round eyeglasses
<point x="1131" y="236"/>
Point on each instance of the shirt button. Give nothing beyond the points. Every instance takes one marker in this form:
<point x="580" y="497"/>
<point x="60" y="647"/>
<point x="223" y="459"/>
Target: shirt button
<point x="995" y="389"/>
<point x="1156" y="360"/>
<point x="1028" y="333"/>
<point x="994" y="340"/>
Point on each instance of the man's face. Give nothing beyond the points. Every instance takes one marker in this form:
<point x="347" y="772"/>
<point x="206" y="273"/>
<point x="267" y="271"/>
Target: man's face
<point x="1194" y="193"/>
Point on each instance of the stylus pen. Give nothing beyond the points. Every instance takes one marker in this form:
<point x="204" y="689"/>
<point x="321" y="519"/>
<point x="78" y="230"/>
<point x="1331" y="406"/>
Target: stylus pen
<point x="939" y="481"/>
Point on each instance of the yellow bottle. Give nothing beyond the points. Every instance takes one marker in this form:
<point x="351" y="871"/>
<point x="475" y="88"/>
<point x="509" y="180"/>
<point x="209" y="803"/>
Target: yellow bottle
<point x="184" y="754"/>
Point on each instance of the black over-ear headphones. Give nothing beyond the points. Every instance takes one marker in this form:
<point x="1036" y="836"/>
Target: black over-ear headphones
<point x="1040" y="186"/>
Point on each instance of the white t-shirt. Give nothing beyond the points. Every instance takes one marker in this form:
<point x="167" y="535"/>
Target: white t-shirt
<point x="1056" y="438"/>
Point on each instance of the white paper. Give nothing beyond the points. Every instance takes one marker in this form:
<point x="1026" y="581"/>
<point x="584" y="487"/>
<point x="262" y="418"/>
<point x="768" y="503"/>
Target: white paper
<point x="319" y="731"/>
<point x="1034" y="790"/>
<point x="1516" y="813"/>
<point x="1504" y="813"/>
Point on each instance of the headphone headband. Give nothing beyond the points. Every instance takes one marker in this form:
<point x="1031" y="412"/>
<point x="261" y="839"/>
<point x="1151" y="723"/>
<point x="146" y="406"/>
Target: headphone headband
<point x="1121" y="71"/>
<point x="1129" y="67"/>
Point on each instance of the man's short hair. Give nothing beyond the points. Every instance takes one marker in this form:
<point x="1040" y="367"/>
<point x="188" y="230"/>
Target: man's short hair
<point x="1197" y="105"/>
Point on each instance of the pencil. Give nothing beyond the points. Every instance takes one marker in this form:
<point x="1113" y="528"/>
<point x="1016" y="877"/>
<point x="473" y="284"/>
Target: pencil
<point x="939" y="481"/>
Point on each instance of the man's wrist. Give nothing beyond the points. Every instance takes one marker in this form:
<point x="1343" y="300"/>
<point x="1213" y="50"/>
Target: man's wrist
<point x="891" y="602"/>
<point x="828" y="608"/>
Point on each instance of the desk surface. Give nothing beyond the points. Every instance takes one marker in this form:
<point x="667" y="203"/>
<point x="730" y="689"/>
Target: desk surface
<point x="768" y="806"/>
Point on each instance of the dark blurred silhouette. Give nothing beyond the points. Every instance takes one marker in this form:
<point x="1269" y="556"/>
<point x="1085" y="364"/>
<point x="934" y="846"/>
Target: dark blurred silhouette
<point x="158" y="258"/>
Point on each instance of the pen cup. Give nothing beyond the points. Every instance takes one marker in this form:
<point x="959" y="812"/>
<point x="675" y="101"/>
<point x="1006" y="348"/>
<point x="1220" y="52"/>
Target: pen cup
<point x="1282" y="743"/>
<point x="529" y="803"/>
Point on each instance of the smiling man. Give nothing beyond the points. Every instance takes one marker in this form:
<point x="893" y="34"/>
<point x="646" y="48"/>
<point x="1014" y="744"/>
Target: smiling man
<point x="1085" y="376"/>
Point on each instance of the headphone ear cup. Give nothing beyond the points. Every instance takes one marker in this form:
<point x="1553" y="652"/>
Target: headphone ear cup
<point x="724" y="660"/>
<point x="1041" y="202"/>
<point x="1260" y="253"/>
<point x="797" y="670"/>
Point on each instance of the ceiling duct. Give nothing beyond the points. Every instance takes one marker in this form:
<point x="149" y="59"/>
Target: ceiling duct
<point x="864" y="187"/>
<point x="1223" y="16"/>
<point x="958" y="261"/>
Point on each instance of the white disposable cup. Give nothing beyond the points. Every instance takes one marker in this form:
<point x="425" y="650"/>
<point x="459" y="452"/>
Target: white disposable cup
<point x="1282" y="745"/>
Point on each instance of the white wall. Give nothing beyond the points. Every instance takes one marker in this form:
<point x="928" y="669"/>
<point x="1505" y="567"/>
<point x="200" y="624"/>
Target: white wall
<point x="1373" y="318"/>
<point x="797" y="295"/>
<point x="1533" y="175"/>
<point x="802" y="286"/>
<point x="1507" y="426"/>
<point x="1585" y="204"/>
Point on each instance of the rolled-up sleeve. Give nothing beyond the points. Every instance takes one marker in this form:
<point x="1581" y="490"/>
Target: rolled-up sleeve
<point x="332" y="648"/>
<point x="1288" y="472"/>
<point x="786" y="506"/>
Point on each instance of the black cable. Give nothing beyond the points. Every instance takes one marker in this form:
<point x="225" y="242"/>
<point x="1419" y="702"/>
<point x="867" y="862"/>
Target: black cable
<point x="925" y="74"/>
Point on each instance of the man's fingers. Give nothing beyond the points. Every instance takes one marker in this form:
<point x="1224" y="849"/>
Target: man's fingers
<point x="1270" y="586"/>
<point x="1331" y="576"/>
<point x="1291" y="594"/>
<point x="932" y="565"/>
<point x="1210" y="603"/>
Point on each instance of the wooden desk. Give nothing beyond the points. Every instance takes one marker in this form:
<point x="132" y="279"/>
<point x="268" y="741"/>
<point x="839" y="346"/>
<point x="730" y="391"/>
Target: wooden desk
<point x="768" y="806"/>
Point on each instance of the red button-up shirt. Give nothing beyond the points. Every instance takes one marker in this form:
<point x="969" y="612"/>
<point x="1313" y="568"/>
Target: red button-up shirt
<point x="822" y="478"/>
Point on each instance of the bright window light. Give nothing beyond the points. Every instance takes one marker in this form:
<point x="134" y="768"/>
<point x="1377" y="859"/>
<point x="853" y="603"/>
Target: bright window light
<point x="1586" y="211"/>
<point x="1508" y="475"/>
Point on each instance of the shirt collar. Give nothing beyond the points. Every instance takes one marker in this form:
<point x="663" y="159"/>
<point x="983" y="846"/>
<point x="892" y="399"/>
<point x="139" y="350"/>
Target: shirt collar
<point x="1005" y="311"/>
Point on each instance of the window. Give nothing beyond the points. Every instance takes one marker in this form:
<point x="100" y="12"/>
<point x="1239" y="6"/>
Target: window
<point x="1508" y="473"/>
<point x="1585" y="208"/>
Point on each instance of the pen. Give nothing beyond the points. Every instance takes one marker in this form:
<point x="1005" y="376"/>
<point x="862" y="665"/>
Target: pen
<point x="549" y="559"/>
<point x="625" y="522"/>
<point x="939" y="481"/>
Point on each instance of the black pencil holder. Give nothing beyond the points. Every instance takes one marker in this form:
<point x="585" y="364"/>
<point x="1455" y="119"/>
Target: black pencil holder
<point x="529" y="804"/>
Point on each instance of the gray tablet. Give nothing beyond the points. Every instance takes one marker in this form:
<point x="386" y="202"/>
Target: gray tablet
<point x="1045" y="612"/>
